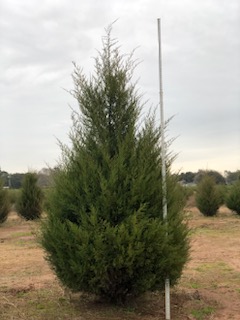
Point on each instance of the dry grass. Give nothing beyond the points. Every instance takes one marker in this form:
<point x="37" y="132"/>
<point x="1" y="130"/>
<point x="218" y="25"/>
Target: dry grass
<point x="209" y="288"/>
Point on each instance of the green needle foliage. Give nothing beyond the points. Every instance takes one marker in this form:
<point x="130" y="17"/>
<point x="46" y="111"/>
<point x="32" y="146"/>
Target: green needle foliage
<point x="208" y="197"/>
<point x="4" y="203"/>
<point x="29" y="203"/>
<point x="105" y="233"/>
<point x="233" y="198"/>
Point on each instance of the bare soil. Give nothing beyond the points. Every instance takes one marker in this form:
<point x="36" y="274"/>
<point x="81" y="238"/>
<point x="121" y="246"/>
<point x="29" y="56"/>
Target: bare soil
<point x="209" y="287"/>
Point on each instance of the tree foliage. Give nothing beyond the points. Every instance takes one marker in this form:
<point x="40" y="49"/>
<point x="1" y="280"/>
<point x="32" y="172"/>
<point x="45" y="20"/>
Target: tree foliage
<point x="187" y="177"/>
<point x="233" y="197"/>
<point x="218" y="178"/>
<point x="105" y="232"/>
<point x="208" y="198"/>
<point x="29" y="203"/>
<point x="4" y="178"/>
<point x="13" y="181"/>
<point x="4" y="203"/>
<point x="232" y="176"/>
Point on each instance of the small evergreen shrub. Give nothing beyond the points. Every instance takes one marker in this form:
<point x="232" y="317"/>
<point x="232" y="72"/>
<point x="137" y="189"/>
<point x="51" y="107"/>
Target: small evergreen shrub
<point x="208" y="198"/>
<point x="29" y="204"/>
<point x="233" y="197"/>
<point x="4" y="203"/>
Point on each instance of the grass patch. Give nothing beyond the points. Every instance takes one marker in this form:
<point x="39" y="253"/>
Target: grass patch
<point x="219" y="266"/>
<point x="218" y="274"/>
<point x="21" y="234"/>
<point x="28" y="243"/>
<point x="195" y="285"/>
<point x="202" y="313"/>
<point x="36" y="304"/>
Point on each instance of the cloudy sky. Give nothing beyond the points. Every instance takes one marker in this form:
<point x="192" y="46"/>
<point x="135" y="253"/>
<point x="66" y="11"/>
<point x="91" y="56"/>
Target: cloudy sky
<point x="201" y="73"/>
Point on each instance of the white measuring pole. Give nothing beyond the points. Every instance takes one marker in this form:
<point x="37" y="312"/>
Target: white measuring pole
<point x="163" y="151"/>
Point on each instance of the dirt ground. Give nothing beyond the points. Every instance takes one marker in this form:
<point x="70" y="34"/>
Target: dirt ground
<point x="214" y="268"/>
<point x="208" y="289"/>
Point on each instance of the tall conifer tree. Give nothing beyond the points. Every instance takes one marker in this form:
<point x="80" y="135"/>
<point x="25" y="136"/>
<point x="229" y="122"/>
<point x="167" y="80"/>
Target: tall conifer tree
<point x="105" y="232"/>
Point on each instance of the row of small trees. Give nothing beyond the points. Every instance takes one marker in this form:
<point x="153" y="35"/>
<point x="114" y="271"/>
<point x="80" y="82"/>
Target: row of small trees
<point x="29" y="204"/>
<point x="209" y="197"/>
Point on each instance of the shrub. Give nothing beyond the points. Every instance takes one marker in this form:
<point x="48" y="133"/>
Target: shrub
<point x="29" y="204"/>
<point x="208" y="198"/>
<point x="233" y="197"/>
<point x="105" y="233"/>
<point x="4" y="203"/>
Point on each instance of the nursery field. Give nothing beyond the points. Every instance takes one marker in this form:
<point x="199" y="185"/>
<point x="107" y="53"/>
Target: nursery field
<point x="209" y="287"/>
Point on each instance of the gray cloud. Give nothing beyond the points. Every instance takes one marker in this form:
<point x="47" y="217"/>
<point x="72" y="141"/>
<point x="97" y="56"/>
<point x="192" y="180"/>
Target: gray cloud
<point x="201" y="73"/>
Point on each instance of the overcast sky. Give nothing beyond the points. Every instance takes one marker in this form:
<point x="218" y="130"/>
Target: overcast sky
<point x="201" y="73"/>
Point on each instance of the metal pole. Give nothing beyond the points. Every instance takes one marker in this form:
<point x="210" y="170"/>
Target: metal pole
<point x="163" y="151"/>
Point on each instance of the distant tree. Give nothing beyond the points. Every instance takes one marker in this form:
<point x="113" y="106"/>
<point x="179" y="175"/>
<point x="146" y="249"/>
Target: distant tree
<point x="45" y="177"/>
<point x="187" y="177"/>
<point x="219" y="179"/>
<point x="16" y="180"/>
<point x="4" y="203"/>
<point x="4" y="177"/>
<point x="208" y="199"/>
<point x="29" y="204"/>
<point x="105" y="232"/>
<point x="232" y="177"/>
<point x="233" y="197"/>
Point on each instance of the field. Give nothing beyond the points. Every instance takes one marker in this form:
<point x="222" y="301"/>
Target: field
<point x="209" y="287"/>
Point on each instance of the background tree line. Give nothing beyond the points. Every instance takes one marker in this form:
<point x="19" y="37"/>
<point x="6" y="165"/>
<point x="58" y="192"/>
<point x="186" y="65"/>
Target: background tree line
<point x="229" y="177"/>
<point x="15" y="180"/>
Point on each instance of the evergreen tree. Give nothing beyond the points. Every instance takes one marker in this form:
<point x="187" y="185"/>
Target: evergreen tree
<point x="29" y="203"/>
<point x="233" y="198"/>
<point x="105" y="232"/>
<point x="208" y="198"/>
<point x="4" y="203"/>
